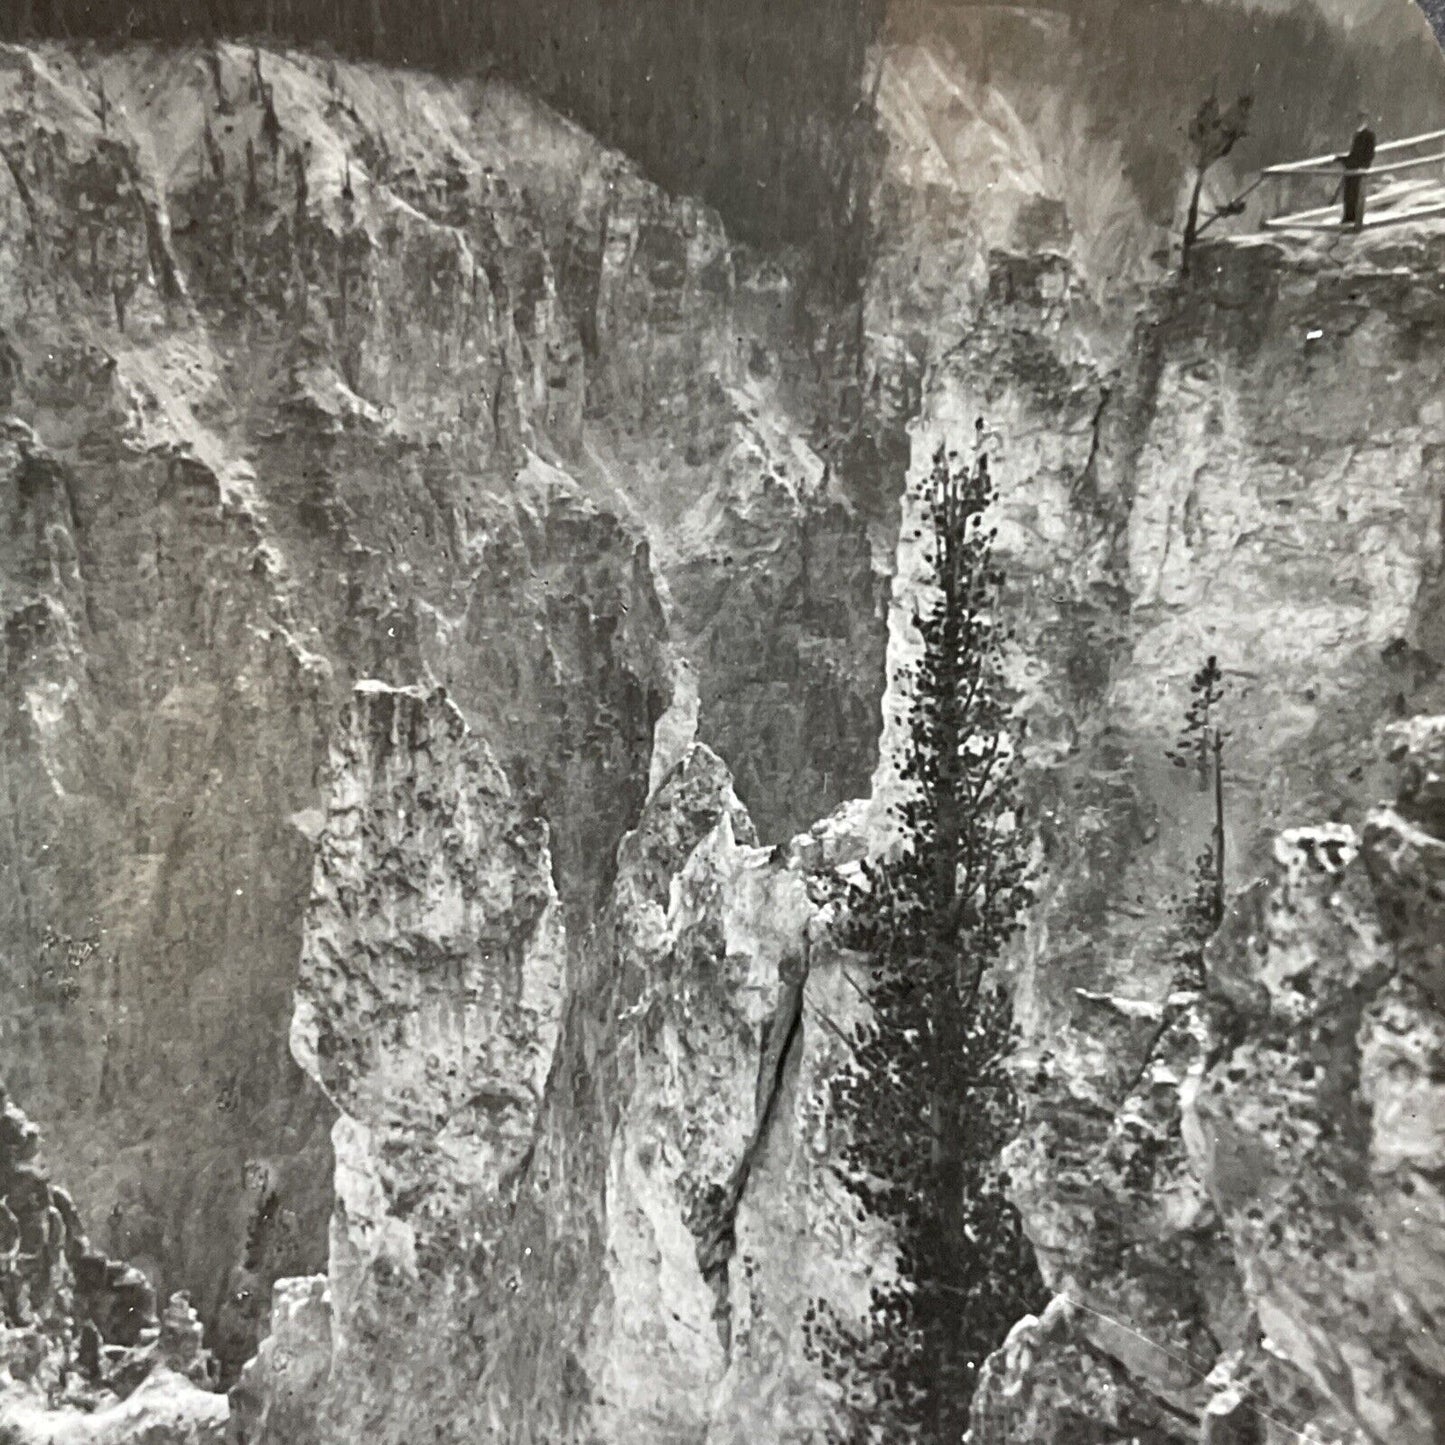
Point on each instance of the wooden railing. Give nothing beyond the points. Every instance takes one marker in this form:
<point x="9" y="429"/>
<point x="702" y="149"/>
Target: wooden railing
<point x="1411" y="188"/>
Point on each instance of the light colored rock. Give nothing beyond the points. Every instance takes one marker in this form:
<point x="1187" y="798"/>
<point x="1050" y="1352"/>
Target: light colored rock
<point x="429" y="1001"/>
<point x="166" y="1410"/>
<point x="676" y="729"/>
<point x="283" y="1387"/>
<point x="211" y="533"/>
<point x="644" y="1262"/>
<point x="1314" y="1118"/>
<point x="291" y="411"/>
<point x="1305" y="560"/>
<point x="1047" y="1382"/>
<point x="84" y="1360"/>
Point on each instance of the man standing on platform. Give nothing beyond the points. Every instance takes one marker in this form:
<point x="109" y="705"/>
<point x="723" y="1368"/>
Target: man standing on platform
<point x="1359" y="159"/>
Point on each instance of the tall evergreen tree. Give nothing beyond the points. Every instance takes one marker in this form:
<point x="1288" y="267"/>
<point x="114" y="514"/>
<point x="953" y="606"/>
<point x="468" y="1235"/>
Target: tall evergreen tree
<point x="929" y="1104"/>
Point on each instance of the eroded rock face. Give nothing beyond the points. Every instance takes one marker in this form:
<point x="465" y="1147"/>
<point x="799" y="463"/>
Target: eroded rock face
<point x="429" y="1000"/>
<point x="434" y="941"/>
<point x="1153" y="513"/>
<point x="633" y="1253"/>
<point x="1049" y="1384"/>
<point x="283" y="1387"/>
<point x="84" y="1358"/>
<point x="1308" y="1112"/>
<point x="320" y="374"/>
<point x="1314" y="1119"/>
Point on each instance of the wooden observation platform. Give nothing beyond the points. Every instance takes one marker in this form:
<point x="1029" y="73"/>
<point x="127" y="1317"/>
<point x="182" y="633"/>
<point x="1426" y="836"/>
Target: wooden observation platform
<point x="1400" y="186"/>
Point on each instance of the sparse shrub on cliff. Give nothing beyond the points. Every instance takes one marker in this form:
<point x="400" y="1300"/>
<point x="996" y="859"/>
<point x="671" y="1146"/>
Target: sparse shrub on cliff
<point x="929" y="1105"/>
<point x="1200" y="748"/>
<point x="1192" y="922"/>
<point x="1213" y="133"/>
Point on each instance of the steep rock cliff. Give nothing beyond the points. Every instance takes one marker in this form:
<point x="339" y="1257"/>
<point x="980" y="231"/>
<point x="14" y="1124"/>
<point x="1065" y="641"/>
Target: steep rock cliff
<point x="586" y="1200"/>
<point x="1166" y="494"/>
<point x="318" y="373"/>
<point x="1305" y="1091"/>
<point x="428" y="1005"/>
<point x="1314" y="1116"/>
<point x="1252" y="476"/>
<point x="210" y="531"/>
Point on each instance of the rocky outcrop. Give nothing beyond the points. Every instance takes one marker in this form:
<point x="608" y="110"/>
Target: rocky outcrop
<point x="164" y="1410"/>
<point x="374" y="443"/>
<point x="708" y="1138"/>
<point x="52" y="1278"/>
<point x="1059" y="128"/>
<point x="1301" y="1133"/>
<point x="1048" y="1384"/>
<point x="281" y="1390"/>
<point x="1231" y="483"/>
<point x="429" y="1001"/>
<point x="605" y="1211"/>
<point x="1314" y="1115"/>
<point x="84" y="1358"/>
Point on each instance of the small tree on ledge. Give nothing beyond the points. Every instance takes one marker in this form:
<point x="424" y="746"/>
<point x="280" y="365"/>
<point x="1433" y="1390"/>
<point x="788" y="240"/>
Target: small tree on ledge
<point x="1213" y="133"/>
<point x="1200" y="747"/>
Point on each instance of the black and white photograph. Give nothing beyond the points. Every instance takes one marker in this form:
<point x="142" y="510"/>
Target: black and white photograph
<point x="722" y="722"/>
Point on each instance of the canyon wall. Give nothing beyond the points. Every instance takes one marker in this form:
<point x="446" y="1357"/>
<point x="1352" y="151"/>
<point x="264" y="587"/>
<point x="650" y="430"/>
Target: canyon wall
<point x="85" y="1356"/>
<point x="308" y="380"/>
<point x="1252" y="477"/>
<point x="446" y="592"/>
<point x="1225" y="482"/>
<point x="582" y="1192"/>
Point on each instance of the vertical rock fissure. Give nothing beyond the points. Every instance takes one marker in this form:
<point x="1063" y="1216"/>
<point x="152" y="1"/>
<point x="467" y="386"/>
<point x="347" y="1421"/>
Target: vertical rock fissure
<point x="715" y="1224"/>
<point x="1088" y="482"/>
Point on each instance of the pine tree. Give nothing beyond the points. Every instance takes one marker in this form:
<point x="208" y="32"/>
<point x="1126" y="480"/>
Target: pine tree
<point x="1200" y="747"/>
<point x="929" y="1104"/>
